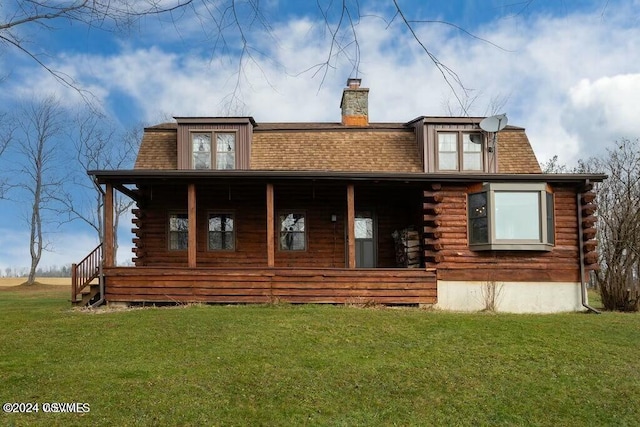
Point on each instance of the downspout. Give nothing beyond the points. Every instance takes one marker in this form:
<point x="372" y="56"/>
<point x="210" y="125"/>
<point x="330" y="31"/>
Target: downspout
<point x="583" y="285"/>
<point x="100" y="275"/>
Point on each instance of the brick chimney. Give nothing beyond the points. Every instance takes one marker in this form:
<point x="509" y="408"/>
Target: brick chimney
<point x="355" y="104"/>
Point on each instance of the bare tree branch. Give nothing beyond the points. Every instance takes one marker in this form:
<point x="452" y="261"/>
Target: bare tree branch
<point x="39" y="124"/>
<point x="619" y="227"/>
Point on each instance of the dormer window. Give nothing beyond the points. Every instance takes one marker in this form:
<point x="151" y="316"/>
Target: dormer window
<point x="224" y="155"/>
<point x="201" y="150"/>
<point x="460" y="151"/>
<point x="225" y="150"/>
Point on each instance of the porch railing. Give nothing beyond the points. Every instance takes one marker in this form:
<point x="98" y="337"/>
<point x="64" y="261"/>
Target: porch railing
<point x="83" y="273"/>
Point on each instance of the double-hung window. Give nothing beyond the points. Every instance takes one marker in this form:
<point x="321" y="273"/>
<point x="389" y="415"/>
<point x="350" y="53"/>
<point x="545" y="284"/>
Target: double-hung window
<point x="292" y="231"/>
<point x="221" y="232"/>
<point x="460" y="151"/>
<point x="511" y="217"/>
<point x="220" y="155"/>
<point x="178" y="231"/>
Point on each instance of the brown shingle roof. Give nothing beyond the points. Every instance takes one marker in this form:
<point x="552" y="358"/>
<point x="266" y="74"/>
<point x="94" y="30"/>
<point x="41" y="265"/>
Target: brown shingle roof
<point x="336" y="150"/>
<point x="515" y="154"/>
<point x="379" y="147"/>
<point x="158" y="149"/>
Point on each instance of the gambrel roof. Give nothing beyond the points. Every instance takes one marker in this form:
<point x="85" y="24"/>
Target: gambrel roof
<point x="377" y="147"/>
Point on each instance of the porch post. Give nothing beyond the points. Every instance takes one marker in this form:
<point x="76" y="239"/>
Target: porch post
<point x="351" y="226"/>
<point x="271" y="250"/>
<point x="108" y="243"/>
<point x="191" y="214"/>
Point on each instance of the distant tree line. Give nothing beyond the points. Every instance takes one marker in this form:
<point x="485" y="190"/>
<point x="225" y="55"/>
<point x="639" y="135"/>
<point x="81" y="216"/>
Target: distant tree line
<point x="51" y="271"/>
<point x="618" y="226"/>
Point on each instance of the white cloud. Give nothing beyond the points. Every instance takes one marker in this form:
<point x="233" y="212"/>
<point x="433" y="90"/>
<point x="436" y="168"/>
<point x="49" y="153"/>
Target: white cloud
<point x="603" y="110"/>
<point x="543" y="70"/>
<point x="545" y="61"/>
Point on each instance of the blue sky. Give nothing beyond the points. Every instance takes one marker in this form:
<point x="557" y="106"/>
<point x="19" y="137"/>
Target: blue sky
<point x="566" y="70"/>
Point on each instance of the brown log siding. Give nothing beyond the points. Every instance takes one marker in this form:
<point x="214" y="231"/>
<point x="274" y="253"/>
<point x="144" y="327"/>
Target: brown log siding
<point x="247" y="204"/>
<point x="455" y="261"/>
<point x="395" y="208"/>
<point x="254" y="285"/>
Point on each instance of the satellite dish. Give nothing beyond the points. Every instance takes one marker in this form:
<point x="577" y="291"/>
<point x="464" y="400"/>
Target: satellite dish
<point x="476" y="138"/>
<point x="494" y="123"/>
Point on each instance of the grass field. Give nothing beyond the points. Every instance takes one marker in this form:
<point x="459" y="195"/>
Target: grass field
<point x="15" y="281"/>
<point x="314" y="365"/>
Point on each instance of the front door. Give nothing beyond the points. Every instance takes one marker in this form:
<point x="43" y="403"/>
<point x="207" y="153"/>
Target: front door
<point x="365" y="239"/>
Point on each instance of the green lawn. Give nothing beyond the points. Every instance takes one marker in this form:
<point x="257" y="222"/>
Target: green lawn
<point x="315" y="365"/>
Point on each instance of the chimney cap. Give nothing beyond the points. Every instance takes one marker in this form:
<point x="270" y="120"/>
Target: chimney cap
<point x="353" y="83"/>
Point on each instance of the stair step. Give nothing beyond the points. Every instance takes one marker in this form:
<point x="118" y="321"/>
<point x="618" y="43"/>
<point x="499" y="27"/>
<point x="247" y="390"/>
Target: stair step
<point x="87" y="294"/>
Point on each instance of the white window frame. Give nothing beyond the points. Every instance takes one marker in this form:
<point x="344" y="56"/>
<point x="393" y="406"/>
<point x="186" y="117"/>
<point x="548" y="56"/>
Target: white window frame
<point x="545" y="218"/>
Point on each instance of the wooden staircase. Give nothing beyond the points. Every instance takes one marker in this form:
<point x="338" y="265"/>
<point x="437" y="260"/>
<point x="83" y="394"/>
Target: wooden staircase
<point x="85" y="279"/>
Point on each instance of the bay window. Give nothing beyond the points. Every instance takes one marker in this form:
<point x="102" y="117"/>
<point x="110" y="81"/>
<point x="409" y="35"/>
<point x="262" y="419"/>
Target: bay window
<point x="511" y="217"/>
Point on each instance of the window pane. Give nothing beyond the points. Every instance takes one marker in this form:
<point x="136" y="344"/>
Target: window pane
<point x="178" y="231"/>
<point x="225" y="161"/>
<point x="220" y="222"/>
<point x="201" y="148"/>
<point x="478" y="224"/>
<point x="225" y="150"/>
<point x="228" y="241"/>
<point x="472" y="161"/>
<point x="447" y="142"/>
<point x="292" y="222"/>
<point x="550" y="221"/>
<point x="471" y="151"/>
<point x="221" y="232"/>
<point x="448" y="161"/>
<point x="215" y="240"/>
<point x="292" y="236"/>
<point x="477" y="205"/>
<point x="225" y="142"/>
<point x="468" y="146"/>
<point x="178" y="240"/>
<point x="447" y="151"/>
<point x="364" y="228"/>
<point x="517" y="215"/>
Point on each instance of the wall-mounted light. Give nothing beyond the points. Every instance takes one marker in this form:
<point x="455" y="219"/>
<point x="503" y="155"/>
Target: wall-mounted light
<point x="334" y="217"/>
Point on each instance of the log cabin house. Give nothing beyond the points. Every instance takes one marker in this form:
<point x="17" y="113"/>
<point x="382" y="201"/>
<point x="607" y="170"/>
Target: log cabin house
<point x="432" y="211"/>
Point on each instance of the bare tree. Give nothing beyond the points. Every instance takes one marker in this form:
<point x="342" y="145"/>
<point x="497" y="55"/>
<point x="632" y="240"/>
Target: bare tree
<point x="618" y="228"/>
<point x="553" y="165"/>
<point x="38" y="125"/>
<point x="98" y="146"/>
<point x="618" y="222"/>
<point x="7" y="130"/>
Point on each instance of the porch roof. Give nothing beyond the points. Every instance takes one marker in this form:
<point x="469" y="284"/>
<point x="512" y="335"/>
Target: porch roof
<point x="135" y="176"/>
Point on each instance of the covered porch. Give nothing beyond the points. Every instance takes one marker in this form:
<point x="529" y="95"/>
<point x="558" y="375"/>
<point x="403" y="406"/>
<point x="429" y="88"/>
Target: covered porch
<point x="344" y="251"/>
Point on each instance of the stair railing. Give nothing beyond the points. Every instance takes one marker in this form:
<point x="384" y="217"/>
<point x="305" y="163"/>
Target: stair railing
<point x="85" y="271"/>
